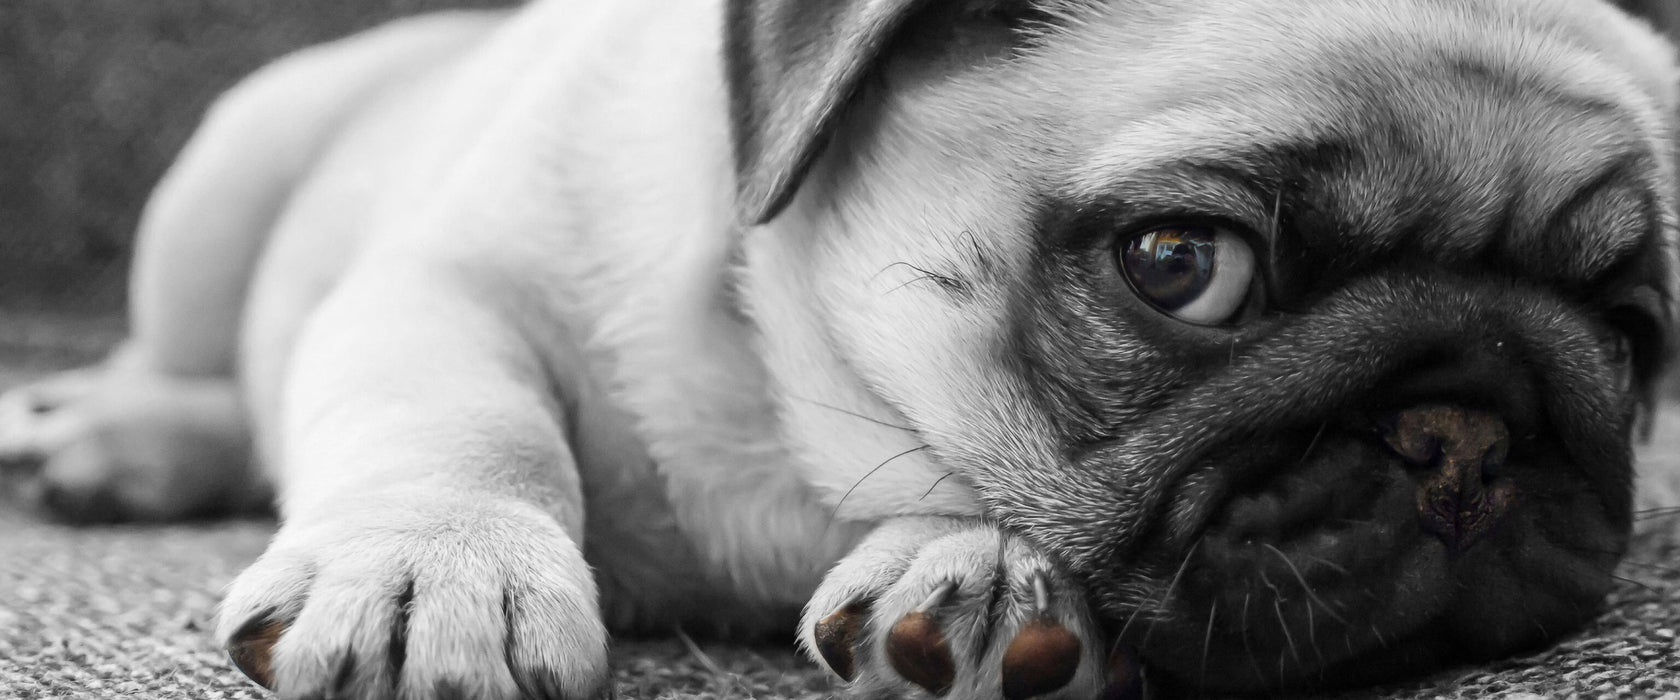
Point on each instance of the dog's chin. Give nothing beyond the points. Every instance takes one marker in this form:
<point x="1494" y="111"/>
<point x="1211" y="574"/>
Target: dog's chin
<point x="1299" y="562"/>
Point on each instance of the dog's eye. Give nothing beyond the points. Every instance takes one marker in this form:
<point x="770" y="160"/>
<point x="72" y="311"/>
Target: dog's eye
<point x="1199" y="274"/>
<point x="1618" y="352"/>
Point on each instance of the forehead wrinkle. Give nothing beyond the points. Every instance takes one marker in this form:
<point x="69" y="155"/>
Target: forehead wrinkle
<point x="1309" y="67"/>
<point x="1551" y="153"/>
<point x="1190" y="134"/>
<point x="1606" y="218"/>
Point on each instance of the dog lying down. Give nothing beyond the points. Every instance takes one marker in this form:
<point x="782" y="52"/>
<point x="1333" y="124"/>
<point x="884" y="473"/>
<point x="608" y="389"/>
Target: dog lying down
<point x="1261" y="344"/>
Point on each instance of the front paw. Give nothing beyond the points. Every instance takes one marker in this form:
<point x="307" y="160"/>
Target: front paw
<point x="420" y="597"/>
<point x="950" y="608"/>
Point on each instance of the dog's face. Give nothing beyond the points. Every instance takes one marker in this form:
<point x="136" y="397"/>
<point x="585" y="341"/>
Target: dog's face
<point x="1312" y="335"/>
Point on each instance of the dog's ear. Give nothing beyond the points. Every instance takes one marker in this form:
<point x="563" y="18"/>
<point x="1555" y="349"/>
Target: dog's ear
<point x="792" y="65"/>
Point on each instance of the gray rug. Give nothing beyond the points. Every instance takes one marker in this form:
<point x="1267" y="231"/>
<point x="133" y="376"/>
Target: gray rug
<point x="124" y="612"/>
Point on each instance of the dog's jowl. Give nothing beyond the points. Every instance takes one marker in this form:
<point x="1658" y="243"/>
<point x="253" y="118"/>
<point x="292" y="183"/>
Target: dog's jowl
<point x="1032" y="348"/>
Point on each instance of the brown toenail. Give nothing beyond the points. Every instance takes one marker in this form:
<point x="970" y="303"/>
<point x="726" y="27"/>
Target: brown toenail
<point x="836" y="637"/>
<point x="1043" y="657"/>
<point x="252" y="649"/>
<point x="916" y="648"/>
<point x="1125" y="675"/>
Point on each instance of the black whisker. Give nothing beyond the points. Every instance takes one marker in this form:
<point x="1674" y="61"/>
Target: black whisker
<point x="1641" y="584"/>
<point x="1253" y="661"/>
<point x="946" y="282"/>
<point x="1662" y="510"/>
<point x="1333" y="566"/>
<point x="1207" y="640"/>
<point x="1179" y="575"/>
<point x="851" y="413"/>
<point x="1314" y="444"/>
<point x="982" y="259"/>
<point x="1136" y="609"/>
<point x="1161" y="602"/>
<point x="1277" y="606"/>
<point x="1277" y="215"/>
<point x="1650" y="566"/>
<point x="1313" y="596"/>
<point x="860" y="481"/>
<point x="1654" y="513"/>
<point x="936" y="483"/>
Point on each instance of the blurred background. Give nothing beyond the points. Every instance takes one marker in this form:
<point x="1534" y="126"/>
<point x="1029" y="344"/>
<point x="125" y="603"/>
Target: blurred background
<point x="96" y="97"/>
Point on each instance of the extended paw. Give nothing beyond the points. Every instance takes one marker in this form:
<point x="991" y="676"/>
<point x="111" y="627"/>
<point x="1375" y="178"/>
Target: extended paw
<point x="420" y="598"/>
<point x="102" y="445"/>
<point x="940" y="607"/>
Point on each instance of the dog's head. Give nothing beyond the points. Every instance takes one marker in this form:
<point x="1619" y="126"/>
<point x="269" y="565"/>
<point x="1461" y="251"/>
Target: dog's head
<point x="1312" y="335"/>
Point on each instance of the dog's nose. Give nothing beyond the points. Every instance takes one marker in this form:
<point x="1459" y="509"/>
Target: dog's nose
<point x="1461" y="496"/>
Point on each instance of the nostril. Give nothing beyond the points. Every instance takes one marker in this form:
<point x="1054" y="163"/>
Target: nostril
<point x="1493" y="462"/>
<point x="1409" y="435"/>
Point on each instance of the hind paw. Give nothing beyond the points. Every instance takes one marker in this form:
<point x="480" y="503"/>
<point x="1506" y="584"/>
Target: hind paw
<point x="95" y="445"/>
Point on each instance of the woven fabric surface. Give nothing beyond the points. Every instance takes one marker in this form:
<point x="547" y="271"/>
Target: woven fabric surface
<point x="127" y="612"/>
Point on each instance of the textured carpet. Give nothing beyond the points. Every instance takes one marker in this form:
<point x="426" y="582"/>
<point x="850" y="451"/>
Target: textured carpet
<point x="124" y="612"/>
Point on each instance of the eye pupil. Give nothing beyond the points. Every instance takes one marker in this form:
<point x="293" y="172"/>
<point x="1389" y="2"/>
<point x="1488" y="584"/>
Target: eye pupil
<point x="1171" y="267"/>
<point x="1197" y="274"/>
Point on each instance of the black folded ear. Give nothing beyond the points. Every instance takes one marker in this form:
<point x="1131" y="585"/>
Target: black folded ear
<point x="792" y="67"/>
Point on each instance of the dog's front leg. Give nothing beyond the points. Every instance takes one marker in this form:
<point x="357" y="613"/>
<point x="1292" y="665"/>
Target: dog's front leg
<point x="958" y="608"/>
<point x="432" y="508"/>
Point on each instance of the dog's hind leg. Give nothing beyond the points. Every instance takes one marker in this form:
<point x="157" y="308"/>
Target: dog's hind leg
<point x="160" y="430"/>
<point x="115" y="443"/>
<point x="157" y="430"/>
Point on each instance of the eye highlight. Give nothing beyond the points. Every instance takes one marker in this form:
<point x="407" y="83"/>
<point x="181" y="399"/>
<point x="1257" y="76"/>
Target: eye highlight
<point x="1196" y="273"/>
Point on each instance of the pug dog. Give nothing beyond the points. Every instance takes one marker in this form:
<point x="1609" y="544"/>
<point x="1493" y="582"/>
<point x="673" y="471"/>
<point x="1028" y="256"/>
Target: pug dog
<point x="1027" y="344"/>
